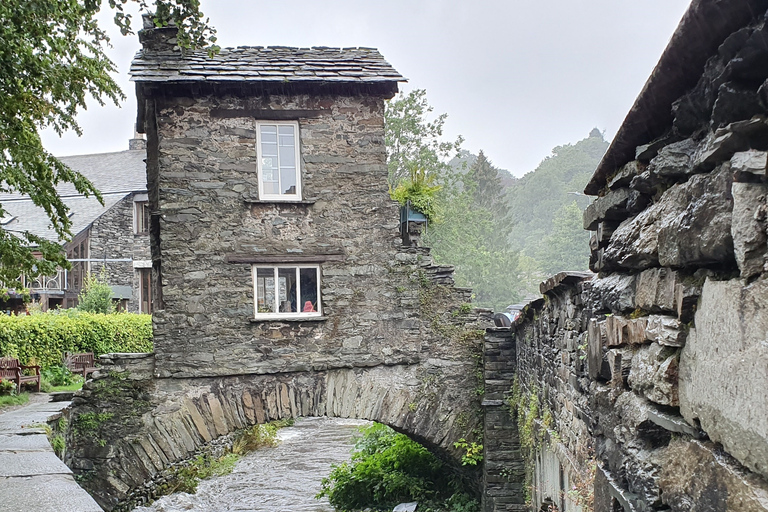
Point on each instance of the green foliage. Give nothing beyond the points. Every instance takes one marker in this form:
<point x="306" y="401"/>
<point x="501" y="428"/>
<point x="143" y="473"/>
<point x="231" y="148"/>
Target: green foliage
<point x="473" y="452"/>
<point x="255" y="437"/>
<point x="566" y="247"/>
<point x="471" y="236"/>
<point x="88" y="425"/>
<point x="96" y="295"/>
<point x="51" y="60"/>
<point x="419" y="189"/>
<point x="201" y="467"/>
<point x="56" y="437"/>
<point x="58" y="375"/>
<point x="59" y="378"/>
<point x="387" y="468"/>
<point x="45" y="337"/>
<point x="412" y="140"/>
<point x="7" y="387"/>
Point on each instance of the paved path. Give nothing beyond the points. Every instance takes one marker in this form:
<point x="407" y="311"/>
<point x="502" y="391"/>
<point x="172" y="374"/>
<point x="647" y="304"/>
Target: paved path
<point x="32" y="477"/>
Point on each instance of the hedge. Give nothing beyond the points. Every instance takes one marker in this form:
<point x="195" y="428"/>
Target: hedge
<point x="43" y="338"/>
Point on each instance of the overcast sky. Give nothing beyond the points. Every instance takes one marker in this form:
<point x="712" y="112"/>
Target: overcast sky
<point x="516" y="77"/>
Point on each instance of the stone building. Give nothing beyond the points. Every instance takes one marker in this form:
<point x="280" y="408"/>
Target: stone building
<point x="111" y="237"/>
<point x="282" y="285"/>
<point x="273" y="228"/>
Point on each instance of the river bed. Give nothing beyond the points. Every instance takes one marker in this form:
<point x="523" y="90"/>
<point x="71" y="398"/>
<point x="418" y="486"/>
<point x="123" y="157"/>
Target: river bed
<point x="284" y="478"/>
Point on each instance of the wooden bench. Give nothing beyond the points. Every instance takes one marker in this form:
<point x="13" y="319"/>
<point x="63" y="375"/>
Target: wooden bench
<point x="82" y="364"/>
<point x="12" y="370"/>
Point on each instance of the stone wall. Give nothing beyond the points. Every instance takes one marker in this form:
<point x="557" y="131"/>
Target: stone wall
<point x="112" y="237"/>
<point x="646" y="382"/>
<point x="600" y="398"/>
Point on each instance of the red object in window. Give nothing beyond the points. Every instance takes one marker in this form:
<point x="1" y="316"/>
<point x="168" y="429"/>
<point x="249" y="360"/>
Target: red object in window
<point x="308" y="307"/>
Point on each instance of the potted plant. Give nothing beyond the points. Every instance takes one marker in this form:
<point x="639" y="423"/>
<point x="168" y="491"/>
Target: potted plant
<point x="417" y="194"/>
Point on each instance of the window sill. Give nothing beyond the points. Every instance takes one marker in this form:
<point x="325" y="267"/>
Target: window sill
<point x="289" y="319"/>
<point x="281" y="201"/>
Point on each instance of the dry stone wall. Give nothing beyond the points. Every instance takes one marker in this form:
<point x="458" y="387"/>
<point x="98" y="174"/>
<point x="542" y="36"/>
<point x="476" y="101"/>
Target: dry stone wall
<point x="646" y="382"/>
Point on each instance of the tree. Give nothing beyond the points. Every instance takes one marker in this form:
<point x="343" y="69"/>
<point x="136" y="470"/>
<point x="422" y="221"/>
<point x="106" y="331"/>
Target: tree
<point x="566" y="247"/>
<point x="51" y="59"/>
<point x="414" y="142"/>
<point x="472" y="236"/>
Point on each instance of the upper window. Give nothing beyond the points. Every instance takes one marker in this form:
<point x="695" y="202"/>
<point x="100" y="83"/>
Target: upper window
<point x="141" y="217"/>
<point x="278" y="157"/>
<point x="286" y="291"/>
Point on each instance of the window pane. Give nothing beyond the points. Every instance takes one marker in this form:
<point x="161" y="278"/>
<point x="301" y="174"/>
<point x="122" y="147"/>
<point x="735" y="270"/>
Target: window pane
<point x="287" y="156"/>
<point x="271" y="187"/>
<point x="265" y="290"/>
<point x="288" y="180"/>
<point x="287" y="278"/>
<point x="286" y="130"/>
<point x="269" y="133"/>
<point x="309" y="303"/>
<point x="269" y="150"/>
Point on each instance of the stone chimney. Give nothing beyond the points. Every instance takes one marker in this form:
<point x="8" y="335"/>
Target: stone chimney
<point x="158" y="39"/>
<point x="138" y="141"/>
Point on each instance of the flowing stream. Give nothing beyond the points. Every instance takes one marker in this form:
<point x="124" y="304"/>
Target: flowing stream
<point x="280" y="479"/>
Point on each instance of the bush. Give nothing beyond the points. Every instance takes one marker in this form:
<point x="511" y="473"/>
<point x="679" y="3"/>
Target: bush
<point x="96" y="295"/>
<point x="58" y="376"/>
<point x="388" y="468"/>
<point x="45" y="337"/>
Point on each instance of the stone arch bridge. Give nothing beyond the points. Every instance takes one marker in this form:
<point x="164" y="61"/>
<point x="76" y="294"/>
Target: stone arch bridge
<point x="144" y="424"/>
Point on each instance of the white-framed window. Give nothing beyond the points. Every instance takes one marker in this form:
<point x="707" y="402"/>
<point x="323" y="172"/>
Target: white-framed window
<point x="141" y="217"/>
<point x="279" y="162"/>
<point x="286" y="290"/>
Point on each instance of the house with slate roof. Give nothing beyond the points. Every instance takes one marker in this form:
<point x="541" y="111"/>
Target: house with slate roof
<point x="111" y="237"/>
<point x="267" y="183"/>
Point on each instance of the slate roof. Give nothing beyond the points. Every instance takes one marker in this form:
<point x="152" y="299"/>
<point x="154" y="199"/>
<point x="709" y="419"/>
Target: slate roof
<point x="116" y="175"/>
<point x="266" y="64"/>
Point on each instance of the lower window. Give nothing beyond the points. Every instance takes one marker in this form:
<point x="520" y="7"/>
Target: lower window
<point x="286" y="291"/>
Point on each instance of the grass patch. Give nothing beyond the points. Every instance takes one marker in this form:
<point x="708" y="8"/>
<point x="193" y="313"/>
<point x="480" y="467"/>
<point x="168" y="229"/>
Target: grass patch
<point x="199" y="468"/>
<point x="77" y="386"/>
<point x="7" y="401"/>
<point x="187" y="477"/>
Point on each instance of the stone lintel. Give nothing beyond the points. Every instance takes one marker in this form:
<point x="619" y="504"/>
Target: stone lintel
<point x="283" y="258"/>
<point x="266" y="114"/>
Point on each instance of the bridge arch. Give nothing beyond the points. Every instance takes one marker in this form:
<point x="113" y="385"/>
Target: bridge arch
<point x="147" y="424"/>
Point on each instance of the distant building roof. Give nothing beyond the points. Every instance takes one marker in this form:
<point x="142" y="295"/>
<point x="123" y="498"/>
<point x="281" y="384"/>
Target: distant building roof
<point x="115" y="175"/>
<point x="266" y="64"/>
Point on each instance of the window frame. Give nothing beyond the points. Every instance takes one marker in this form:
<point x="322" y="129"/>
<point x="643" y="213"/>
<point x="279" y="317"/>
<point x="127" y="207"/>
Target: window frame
<point x="297" y="156"/>
<point x="288" y="314"/>
<point x="139" y="209"/>
<point x="145" y="292"/>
